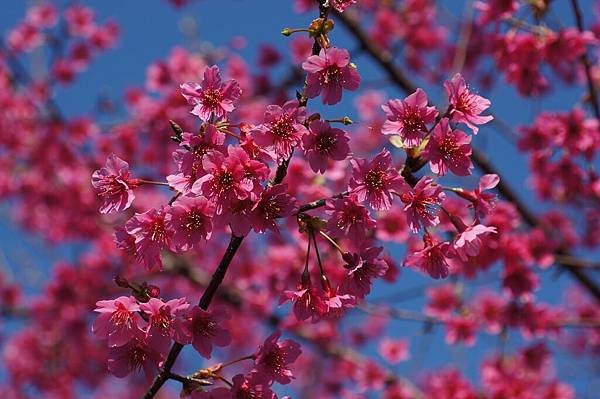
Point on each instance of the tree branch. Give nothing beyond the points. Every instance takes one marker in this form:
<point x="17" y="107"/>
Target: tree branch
<point x="587" y="66"/>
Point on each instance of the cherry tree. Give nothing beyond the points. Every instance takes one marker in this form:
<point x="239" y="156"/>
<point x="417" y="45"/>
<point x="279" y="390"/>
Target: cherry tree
<point x="245" y="235"/>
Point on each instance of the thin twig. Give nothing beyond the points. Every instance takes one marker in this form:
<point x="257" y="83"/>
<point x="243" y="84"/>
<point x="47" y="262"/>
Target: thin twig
<point x="587" y="66"/>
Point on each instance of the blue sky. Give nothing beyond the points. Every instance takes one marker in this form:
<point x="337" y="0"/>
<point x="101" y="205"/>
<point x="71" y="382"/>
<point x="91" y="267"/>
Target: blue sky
<point x="150" y="28"/>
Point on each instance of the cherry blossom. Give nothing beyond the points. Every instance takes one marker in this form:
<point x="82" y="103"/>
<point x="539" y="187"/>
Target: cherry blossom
<point x="118" y="321"/>
<point x="421" y="202"/>
<point x="179" y="257"/>
<point x="151" y="235"/>
<point x="362" y="268"/>
<point x="114" y="185"/>
<point x="225" y="180"/>
<point x="432" y="258"/>
<point x="349" y="218"/>
<point x="204" y="329"/>
<point x="329" y="73"/>
<point x="273" y="358"/>
<point x="324" y="143"/>
<point x="191" y="221"/>
<point x="466" y="107"/>
<point x="375" y="181"/>
<point x="409" y="118"/>
<point x="282" y="128"/>
<point x="448" y="150"/>
<point x="212" y="96"/>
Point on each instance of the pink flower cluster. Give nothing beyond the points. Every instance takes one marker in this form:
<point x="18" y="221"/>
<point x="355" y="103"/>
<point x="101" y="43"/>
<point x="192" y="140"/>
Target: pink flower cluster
<point x="139" y="335"/>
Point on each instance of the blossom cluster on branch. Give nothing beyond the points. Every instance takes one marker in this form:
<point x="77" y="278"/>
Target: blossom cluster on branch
<point x="238" y="222"/>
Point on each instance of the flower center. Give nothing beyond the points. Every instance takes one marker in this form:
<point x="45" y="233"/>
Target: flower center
<point x="211" y="98"/>
<point x="413" y="122"/>
<point x="464" y="103"/>
<point x="162" y="321"/>
<point x="282" y="128"/>
<point x="137" y="357"/>
<point x="113" y="185"/>
<point x="331" y="76"/>
<point x="325" y="143"/>
<point x="121" y="316"/>
<point x="157" y="231"/>
<point x="275" y="361"/>
<point x="194" y="221"/>
<point x="225" y="180"/>
<point x="270" y="208"/>
<point x="448" y="147"/>
<point x="375" y="180"/>
<point x="204" y="326"/>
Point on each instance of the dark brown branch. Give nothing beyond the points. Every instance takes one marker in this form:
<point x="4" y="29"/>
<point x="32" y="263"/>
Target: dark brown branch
<point x="319" y="203"/>
<point x="209" y="293"/>
<point x="587" y="65"/>
<point x="408" y="315"/>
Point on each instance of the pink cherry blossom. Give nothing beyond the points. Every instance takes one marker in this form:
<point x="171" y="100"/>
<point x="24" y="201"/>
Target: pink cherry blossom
<point x="432" y="259"/>
<point x="409" y="118"/>
<point x="25" y="37"/>
<point x="341" y="5"/>
<point x="466" y="107"/>
<point x="420" y="203"/>
<point x="118" y="320"/>
<point x="324" y="143"/>
<point x="273" y="358"/>
<point x="468" y="242"/>
<point x="448" y="150"/>
<point x="80" y="20"/>
<point x="212" y="96"/>
<point x="189" y="157"/>
<point x="309" y="302"/>
<point x="164" y="321"/>
<point x="363" y="268"/>
<point x="240" y="165"/>
<point x="132" y="357"/>
<point x="376" y="181"/>
<point x="494" y="10"/>
<point x="252" y="386"/>
<point x="151" y="235"/>
<point x="392" y="226"/>
<point x="274" y="203"/>
<point x="519" y="280"/>
<point x="394" y="350"/>
<point x="190" y="219"/>
<point x="225" y="180"/>
<point x="442" y="300"/>
<point x="237" y="217"/>
<point x="489" y="308"/>
<point x="329" y="73"/>
<point x="43" y="15"/>
<point x="461" y="329"/>
<point x="204" y="329"/>
<point x="114" y="185"/>
<point x="347" y="217"/>
<point x="282" y="128"/>
<point x="482" y="203"/>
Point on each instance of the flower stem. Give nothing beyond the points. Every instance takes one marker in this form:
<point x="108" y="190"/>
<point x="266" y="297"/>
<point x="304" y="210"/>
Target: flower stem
<point x="324" y="280"/>
<point x="332" y="241"/>
<point x="156" y="183"/>
<point x="241" y="359"/>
